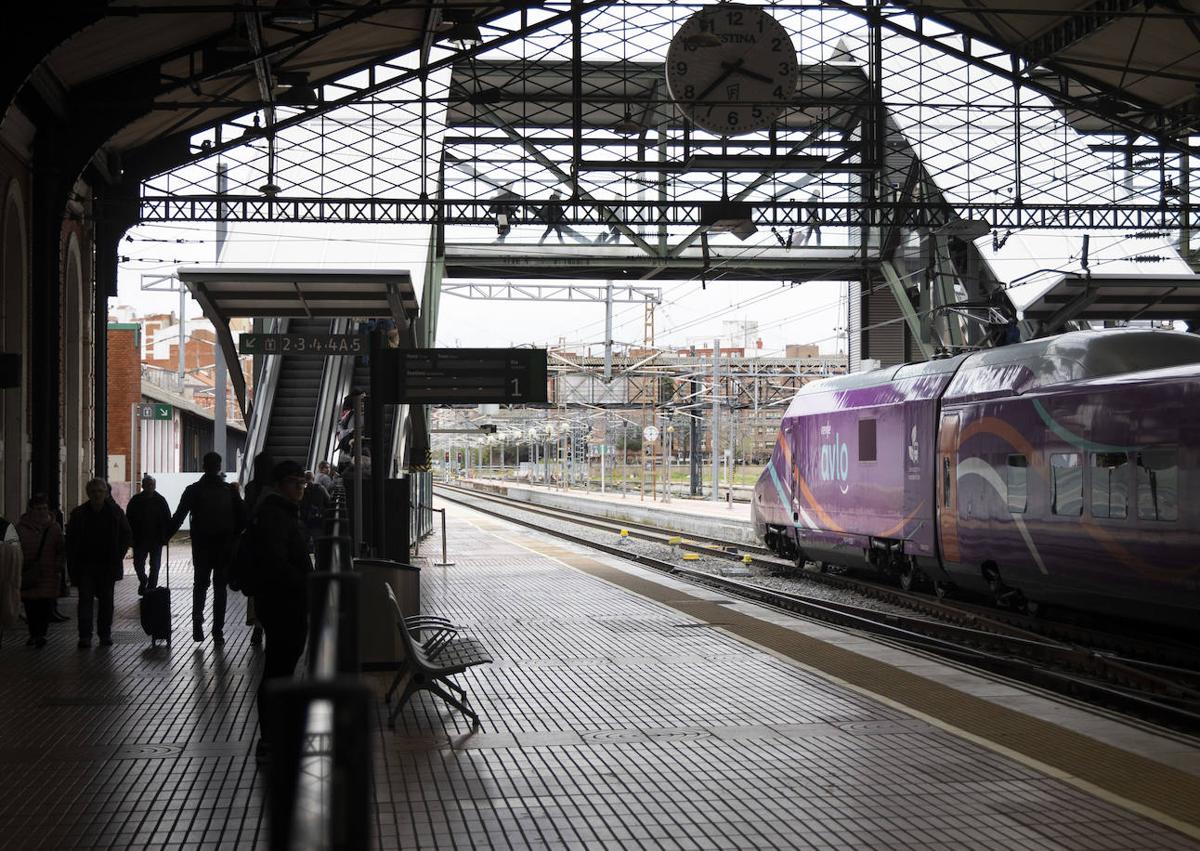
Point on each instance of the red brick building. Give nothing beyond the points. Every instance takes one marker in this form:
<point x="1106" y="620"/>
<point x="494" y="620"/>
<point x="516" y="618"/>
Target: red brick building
<point x="124" y="390"/>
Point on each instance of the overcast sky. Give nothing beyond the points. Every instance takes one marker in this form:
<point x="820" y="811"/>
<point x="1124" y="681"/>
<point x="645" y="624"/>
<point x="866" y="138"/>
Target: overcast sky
<point x="786" y="314"/>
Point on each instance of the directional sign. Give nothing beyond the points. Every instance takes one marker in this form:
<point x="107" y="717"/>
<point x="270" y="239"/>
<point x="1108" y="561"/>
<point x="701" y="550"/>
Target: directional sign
<point x="155" y="411"/>
<point x="321" y="345"/>
<point x="461" y="376"/>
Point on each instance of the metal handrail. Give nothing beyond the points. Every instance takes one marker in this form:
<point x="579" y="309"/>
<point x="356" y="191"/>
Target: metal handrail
<point x="320" y="784"/>
<point x="329" y="402"/>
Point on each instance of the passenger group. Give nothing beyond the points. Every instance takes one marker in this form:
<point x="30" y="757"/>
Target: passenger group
<point x="260" y="545"/>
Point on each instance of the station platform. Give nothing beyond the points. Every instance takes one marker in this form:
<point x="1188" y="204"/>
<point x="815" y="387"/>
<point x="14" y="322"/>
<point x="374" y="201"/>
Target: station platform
<point x="624" y="709"/>
<point x="727" y="520"/>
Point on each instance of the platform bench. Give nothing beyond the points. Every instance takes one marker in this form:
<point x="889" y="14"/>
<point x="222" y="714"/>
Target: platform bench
<point x="433" y="653"/>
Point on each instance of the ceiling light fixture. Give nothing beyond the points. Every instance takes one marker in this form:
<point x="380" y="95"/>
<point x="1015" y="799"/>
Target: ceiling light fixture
<point x="295" y="13"/>
<point x="627" y="126"/>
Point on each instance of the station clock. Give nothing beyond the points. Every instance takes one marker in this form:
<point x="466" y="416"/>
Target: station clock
<point x="732" y="69"/>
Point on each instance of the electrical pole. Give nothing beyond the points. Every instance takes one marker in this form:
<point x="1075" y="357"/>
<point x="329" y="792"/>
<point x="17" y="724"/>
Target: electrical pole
<point x="694" y="434"/>
<point x="608" y="303"/>
<point x="715" y="430"/>
<point x="219" y="433"/>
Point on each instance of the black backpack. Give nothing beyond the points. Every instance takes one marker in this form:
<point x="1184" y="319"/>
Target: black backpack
<point x="245" y="572"/>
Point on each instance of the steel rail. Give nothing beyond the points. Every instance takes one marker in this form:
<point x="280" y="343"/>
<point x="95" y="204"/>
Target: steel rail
<point x="1017" y="656"/>
<point x="1082" y="641"/>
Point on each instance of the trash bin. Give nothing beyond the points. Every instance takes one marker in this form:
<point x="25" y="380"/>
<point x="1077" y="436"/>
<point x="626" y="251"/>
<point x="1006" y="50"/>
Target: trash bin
<point x="379" y="641"/>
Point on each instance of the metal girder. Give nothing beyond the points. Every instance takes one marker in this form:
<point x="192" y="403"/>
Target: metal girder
<point x="1081" y="24"/>
<point x="39" y="34"/>
<point x="224" y="340"/>
<point x="606" y="212"/>
<point x="416" y="210"/>
<point x="375" y="84"/>
<point x="552" y="292"/>
<point x="1081" y="302"/>
<point x="986" y="60"/>
<point x="906" y="309"/>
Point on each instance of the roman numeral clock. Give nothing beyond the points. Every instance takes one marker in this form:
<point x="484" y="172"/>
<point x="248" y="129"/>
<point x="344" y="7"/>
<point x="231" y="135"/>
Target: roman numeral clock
<point x="732" y="69"/>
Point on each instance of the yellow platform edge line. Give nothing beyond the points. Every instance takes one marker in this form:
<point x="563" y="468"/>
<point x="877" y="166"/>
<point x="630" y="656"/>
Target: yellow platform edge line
<point x="1136" y="783"/>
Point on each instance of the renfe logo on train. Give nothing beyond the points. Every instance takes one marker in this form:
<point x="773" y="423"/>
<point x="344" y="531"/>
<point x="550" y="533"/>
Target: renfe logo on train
<point x="835" y="459"/>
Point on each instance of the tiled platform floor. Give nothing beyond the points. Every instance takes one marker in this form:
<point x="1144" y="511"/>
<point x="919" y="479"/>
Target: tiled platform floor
<point x="610" y="721"/>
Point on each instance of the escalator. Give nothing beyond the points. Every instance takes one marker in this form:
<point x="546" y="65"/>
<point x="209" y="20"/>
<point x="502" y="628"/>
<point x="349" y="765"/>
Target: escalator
<point x="297" y="394"/>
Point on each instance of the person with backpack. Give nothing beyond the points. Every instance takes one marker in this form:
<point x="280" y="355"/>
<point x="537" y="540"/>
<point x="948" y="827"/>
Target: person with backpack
<point x="98" y="537"/>
<point x="44" y="551"/>
<point x="217" y="516"/>
<point x="149" y="518"/>
<point x="281" y="566"/>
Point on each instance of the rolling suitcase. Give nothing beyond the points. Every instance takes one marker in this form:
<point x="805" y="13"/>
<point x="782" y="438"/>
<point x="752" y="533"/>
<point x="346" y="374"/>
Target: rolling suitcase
<point x="156" y="607"/>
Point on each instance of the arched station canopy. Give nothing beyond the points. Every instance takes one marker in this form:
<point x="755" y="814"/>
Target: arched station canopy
<point x="225" y="293"/>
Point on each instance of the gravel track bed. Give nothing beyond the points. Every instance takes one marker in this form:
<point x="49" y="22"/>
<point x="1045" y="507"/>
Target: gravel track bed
<point x="706" y="564"/>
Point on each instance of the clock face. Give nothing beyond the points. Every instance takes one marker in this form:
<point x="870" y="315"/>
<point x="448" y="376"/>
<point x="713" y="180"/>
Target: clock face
<point x="741" y="85"/>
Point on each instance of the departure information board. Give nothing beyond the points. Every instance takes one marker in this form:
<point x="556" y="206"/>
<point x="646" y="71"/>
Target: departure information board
<point x="462" y="376"/>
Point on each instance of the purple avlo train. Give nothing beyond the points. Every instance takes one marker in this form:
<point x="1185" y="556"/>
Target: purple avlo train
<point x="1060" y="471"/>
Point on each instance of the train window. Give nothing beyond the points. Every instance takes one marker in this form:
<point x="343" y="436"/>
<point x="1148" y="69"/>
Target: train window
<point x="1158" y="484"/>
<point x="1066" y="477"/>
<point x="1018" y="491"/>
<point x="1110" y="484"/>
<point x="866" y="440"/>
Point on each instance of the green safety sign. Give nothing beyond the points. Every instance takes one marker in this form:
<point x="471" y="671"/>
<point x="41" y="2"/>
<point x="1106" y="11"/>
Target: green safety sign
<point x="155" y="411"/>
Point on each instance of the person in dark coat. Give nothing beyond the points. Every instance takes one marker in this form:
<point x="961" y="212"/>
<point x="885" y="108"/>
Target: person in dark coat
<point x="149" y="518"/>
<point x="256" y="489"/>
<point x="44" y="552"/>
<point x="553" y="214"/>
<point x="282" y="601"/>
<point x="98" y="535"/>
<point x="217" y="517"/>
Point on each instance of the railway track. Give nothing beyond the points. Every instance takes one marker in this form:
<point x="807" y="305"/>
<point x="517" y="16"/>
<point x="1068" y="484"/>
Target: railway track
<point x="1160" y="686"/>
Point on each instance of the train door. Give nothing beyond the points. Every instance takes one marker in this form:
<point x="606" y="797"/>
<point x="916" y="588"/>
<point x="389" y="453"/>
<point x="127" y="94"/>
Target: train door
<point x="947" y="489"/>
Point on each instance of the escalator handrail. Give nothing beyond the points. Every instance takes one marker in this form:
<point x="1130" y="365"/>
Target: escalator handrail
<point x="329" y="401"/>
<point x="264" y="397"/>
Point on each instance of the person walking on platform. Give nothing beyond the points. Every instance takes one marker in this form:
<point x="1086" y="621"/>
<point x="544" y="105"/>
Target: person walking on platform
<point x="282" y="600"/>
<point x="149" y="518"/>
<point x="217" y="517"/>
<point x="98" y="535"/>
<point x="553" y="215"/>
<point x="44" y="552"/>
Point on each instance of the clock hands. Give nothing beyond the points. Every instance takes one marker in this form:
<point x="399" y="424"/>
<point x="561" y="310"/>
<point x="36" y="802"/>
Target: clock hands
<point x="746" y="72"/>
<point x="729" y="69"/>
